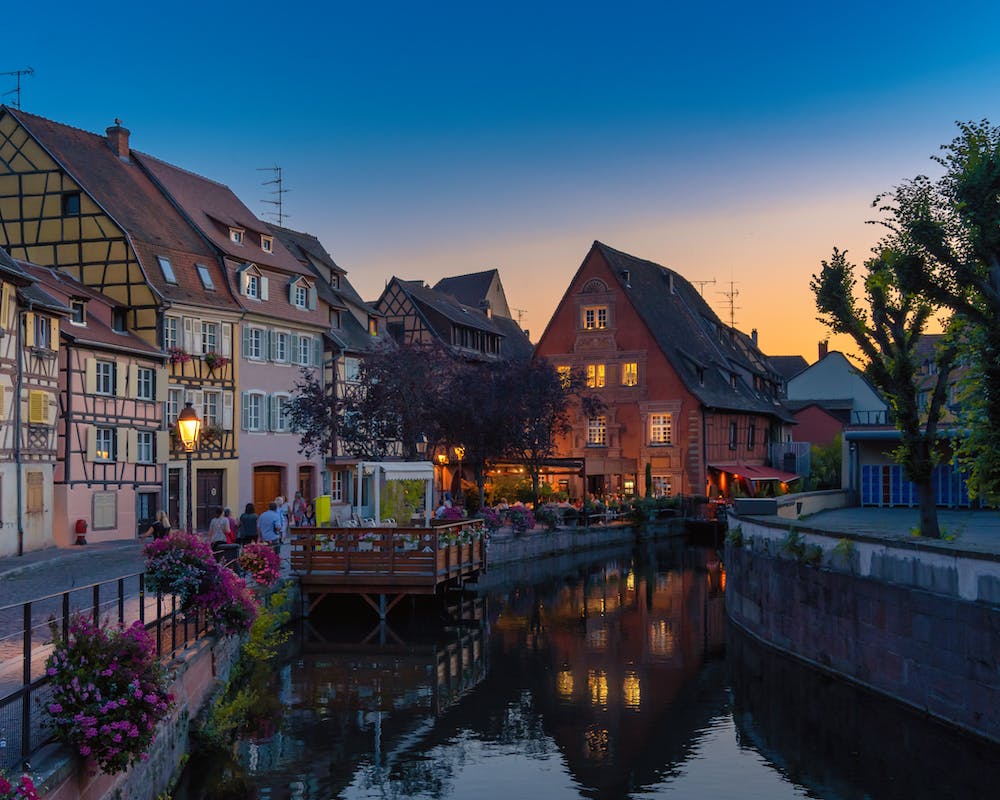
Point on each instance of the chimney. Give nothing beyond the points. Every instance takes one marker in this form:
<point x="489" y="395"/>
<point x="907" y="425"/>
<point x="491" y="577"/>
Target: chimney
<point x="487" y="308"/>
<point x="753" y="336"/>
<point x="824" y="348"/>
<point x="118" y="140"/>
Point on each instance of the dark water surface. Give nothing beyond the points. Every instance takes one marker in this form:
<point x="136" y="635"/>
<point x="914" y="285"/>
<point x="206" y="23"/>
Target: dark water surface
<point x="613" y="678"/>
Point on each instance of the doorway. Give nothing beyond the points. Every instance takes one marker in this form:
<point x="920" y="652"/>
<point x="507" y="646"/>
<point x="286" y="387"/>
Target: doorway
<point x="307" y="482"/>
<point x="209" y="494"/>
<point x="267" y="483"/>
<point x="174" y="496"/>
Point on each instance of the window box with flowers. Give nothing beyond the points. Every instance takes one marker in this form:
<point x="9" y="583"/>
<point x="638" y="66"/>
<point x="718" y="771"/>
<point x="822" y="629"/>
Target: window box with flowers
<point x="178" y="355"/>
<point x="215" y="361"/>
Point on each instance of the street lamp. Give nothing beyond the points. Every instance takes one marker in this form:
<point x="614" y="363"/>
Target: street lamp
<point x="459" y="454"/>
<point x="188" y="428"/>
<point x="421" y="445"/>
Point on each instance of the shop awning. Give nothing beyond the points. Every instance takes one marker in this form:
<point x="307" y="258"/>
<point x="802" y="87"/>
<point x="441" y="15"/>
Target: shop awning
<point x="756" y="473"/>
<point x="406" y="470"/>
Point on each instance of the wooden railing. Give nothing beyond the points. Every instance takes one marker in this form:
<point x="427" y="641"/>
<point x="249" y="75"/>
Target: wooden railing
<point x="414" y="559"/>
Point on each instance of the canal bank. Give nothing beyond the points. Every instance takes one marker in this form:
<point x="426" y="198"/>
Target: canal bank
<point x="854" y="593"/>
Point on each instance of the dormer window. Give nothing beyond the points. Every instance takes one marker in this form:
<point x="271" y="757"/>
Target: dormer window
<point x="335" y="281"/>
<point x="373" y="326"/>
<point x="253" y="286"/>
<point x="252" y="283"/>
<point x="119" y="319"/>
<point x="335" y="319"/>
<point x="206" y="277"/>
<point x="301" y="296"/>
<point x="78" y="312"/>
<point x="267" y="243"/>
<point x="167" y="268"/>
<point x="236" y="235"/>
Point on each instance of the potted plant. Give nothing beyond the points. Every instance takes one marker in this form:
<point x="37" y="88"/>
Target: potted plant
<point x="215" y="360"/>
<point x="178" y="355"/>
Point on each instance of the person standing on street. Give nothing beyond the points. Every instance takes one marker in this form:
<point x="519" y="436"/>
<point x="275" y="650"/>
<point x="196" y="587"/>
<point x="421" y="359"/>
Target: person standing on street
<point x="248" y="525"/>
<point x="269" y="526"/>
<point x="218" y="531"/>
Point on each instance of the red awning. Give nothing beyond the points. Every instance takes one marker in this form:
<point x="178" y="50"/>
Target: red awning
<point x="756" y="473"/>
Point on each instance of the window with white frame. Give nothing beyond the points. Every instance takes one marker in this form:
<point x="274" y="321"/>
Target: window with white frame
<point x="171" y="335"/>
<point x="79" y="312"/>
<point x="595" y="376"/>
<point x="206" y="277"/>
<point x="211" y="403"/>
<point x="266" y="244"/>
<point x="145" y="388"/>
<point x="661" y="429"/>
<point x="144" y="452"/>
<point x="279" y="413"/>
<point x="253" y="285"/>
<point x="337" y="487"/>
<point x="352" y="370"/>
<point x="167" y="268"/>
<point x="597" y="431"/>
<point x="630" y="373"/>
<point x="104" y="444"/>
<point x="661" y="486"/>
<point x="43" y="332"/>
<point x="304" y="356"/>
<point x="254" y="411"/>
<point x="175" y="401"/>
<point x="301" y="296"/>
<point x="236" y="235"/>
<point x="209" y="337"/>
<point x="595" y="317"/>
<point x="104" y="375"/>
<point x="280" y="352"/>
<point x="255" y="343"/>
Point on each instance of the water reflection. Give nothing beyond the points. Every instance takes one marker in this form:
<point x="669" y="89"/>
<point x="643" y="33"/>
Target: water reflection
<point x="605" y="680"/>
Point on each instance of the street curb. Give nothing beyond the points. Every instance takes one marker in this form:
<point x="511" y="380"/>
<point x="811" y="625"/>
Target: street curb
<point x="9" y="567"/>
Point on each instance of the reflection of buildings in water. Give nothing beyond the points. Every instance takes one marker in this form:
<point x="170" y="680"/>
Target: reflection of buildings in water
<point x="623" y="645"/>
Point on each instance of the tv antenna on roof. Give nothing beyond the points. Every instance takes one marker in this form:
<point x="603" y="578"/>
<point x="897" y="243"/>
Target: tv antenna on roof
<point x="702" y="284"/>
<point x="731" y="296"/>
<point x="520" y="315"/>
<point x="17" y="91"/>
<point x="277" y="192"/>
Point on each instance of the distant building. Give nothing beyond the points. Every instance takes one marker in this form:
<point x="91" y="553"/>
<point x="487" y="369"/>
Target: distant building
<point x="685" y="394"/>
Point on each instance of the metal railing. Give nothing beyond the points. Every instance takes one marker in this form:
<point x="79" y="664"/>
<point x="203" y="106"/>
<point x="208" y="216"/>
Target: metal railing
<point x="27" y="631"/>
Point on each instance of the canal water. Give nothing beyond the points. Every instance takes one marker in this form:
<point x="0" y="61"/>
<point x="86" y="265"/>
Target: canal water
<point x="609" y="677"/>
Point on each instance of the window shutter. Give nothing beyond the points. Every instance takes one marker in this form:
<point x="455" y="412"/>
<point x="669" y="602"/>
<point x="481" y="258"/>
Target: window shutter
<point x="263" y="288"/>
<point x="245" y="410"/>
<point x="121" y="378"/>
<point x="197" y="343"/>
<point x="162" y="447"/>
<point x="274" y="404"/>
<point x="243" y="281"/>
<point x="131" y="454"/>
<point x="227" y="339"/>
<point x="272" y="350"/>
<point x="265" y="344"/>
<point x="121" y="435"/>
<point x="133" y="380"/>
<point x="188" y="335"/>
<point x="162" y="379"/>
<point x="91" y="443"/>
<point x="54" y="335"/>
<point x="291" y="291"/>
<point x="312" y="298"/>
<point x="90" y="376"/>
<point x="5" y="302"/>
<point x="227" y="411"/>
<point x="196" y="397"/>
<point x="318" y="351"/>
<point x="29" y="329"/>
<point x="246" y="341"/>
<point x="38" y="407"/>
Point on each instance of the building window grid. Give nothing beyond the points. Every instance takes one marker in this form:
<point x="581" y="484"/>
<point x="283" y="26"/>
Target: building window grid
<point x="337" y="487"/>
<point x="255" y="412"/>
<point x="171" y="326"/>
<point x="595" y="318"/>
<point x="104" y="378"/>
<point x="305" y="351"/>
<point x="104" y="444"/>
<point x="301" y="296"/>
<point x="596" y="376"/>
<point x="144" y="447"/>
<point x="210" y="409"/>
<point x="145" y="384"/>
<point x="661" y="429"/>
<point x="253" y="286"/>
<point x="255" y="344"/>
<point x="597" y="431"/>
<point x="174" y="398"/>
<point x="209" y="337"/>
<point x="280" y="347"/>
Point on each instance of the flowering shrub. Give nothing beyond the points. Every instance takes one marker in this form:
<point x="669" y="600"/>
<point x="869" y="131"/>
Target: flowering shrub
<point x="521" y="519"/>
<point x="23" y="790"/>
<point x="178" y="355"/>
<point x="261" y="562"/>
<point x="549" y="516"/>
<point x="228" y="602"/>
<point x="213" y="360"/>
<point x="108" y="692"/>
<point x="180" y="564"/>
<point x="452" y="513"/>
<point x="490" y="518"/>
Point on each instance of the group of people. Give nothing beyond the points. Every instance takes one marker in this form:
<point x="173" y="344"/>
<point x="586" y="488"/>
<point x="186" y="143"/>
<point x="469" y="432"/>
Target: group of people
<point x="270" y="527"/>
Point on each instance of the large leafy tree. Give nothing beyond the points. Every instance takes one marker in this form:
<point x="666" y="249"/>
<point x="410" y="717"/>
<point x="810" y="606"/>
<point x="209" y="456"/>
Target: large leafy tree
<point x="886" y="329"/>
<point x="952" y="225"/>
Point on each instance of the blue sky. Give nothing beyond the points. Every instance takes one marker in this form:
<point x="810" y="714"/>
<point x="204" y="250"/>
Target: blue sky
<point x="734" y="142"/>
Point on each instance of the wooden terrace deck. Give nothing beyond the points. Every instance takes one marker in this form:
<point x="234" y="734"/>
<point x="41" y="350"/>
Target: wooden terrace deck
<point x="369" y="561"/>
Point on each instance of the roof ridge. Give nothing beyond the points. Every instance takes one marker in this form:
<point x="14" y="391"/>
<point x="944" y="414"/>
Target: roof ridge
<point x="183" y="170"/>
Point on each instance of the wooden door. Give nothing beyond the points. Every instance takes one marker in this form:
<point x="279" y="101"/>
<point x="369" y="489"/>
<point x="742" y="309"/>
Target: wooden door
<point x="306" y="482"/>
<point x="209" y="494"/>
<point x="266" y="486"/>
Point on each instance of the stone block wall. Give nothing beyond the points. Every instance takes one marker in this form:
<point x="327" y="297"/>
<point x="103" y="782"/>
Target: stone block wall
<point x="933" y="650"/>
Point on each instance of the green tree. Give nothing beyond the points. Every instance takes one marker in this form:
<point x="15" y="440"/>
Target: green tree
<point x="825" y="464"/>
<point x="886" y="333"/>
<point x="952" y="225"/>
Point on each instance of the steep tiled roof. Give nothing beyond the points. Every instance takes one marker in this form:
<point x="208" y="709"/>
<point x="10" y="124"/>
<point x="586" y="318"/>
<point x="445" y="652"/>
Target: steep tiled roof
<point x="788" y="366"/>
<point x="11" y="271"/>
<point x="96" y="331"/>
<point x="128" y="196"/>
<point x="704" y="352"/>
<point x="468" y="289"/>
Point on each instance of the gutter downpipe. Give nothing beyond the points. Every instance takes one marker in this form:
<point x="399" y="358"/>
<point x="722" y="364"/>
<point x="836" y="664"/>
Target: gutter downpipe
<point x="18" y="433"/>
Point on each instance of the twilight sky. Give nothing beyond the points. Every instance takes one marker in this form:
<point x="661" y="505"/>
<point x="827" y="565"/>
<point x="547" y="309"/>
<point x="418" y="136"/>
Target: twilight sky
<point x="735" y="142"/>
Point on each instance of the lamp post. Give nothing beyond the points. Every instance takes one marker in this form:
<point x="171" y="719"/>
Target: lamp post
<point x="421" y="445"/>
<point x="188" y="428"/>
<point x="459" y="454"/>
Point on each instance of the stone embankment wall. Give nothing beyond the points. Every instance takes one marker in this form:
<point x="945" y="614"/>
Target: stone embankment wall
<point x="540" y="544"/>
<point x="905" y="619"/>
<point x="199" y="672"/>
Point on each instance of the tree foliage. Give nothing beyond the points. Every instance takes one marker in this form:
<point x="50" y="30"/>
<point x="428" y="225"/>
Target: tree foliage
<point x="952" y="226"/>
<point x="886" y="329"/>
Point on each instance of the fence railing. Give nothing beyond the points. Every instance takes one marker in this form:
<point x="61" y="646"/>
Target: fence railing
<point x="26" y="640"/>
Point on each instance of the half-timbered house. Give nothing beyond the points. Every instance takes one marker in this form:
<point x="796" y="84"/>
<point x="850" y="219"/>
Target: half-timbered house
<point x="82" y="203"/>
<point x="685" y="394"/>
<point x="281" y="331"/>
<point x="112" y="445"/>
<point x="29" y="352"/>
<point x="355" y="329"/>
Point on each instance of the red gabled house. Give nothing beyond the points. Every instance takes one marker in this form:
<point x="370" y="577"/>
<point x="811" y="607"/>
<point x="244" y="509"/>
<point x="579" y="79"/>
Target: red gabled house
<point x="685" y="394"/>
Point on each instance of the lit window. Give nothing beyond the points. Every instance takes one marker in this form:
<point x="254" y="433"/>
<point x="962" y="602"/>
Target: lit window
<point x="104" y="374"/>
<point x="144" y="447"/>
<point x="597" y="431"/>
<point x="661" y="486"/>
<point x="595" y="317"/>
<point x="373" y="326"/>
<point x="236" y="235"/>
<point x="206" y="277"/>
<point x="565" y="374"/>
<point x="660" y="428"/>
<point x="630" y="374"/>
<point x="79" y="312"/>
<point x="145" y="384"/>
<point x="167" y="268"/>
<point x="104" y="444"/>
<point x="595" y="376"/>
<point x="266" y="244"/>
